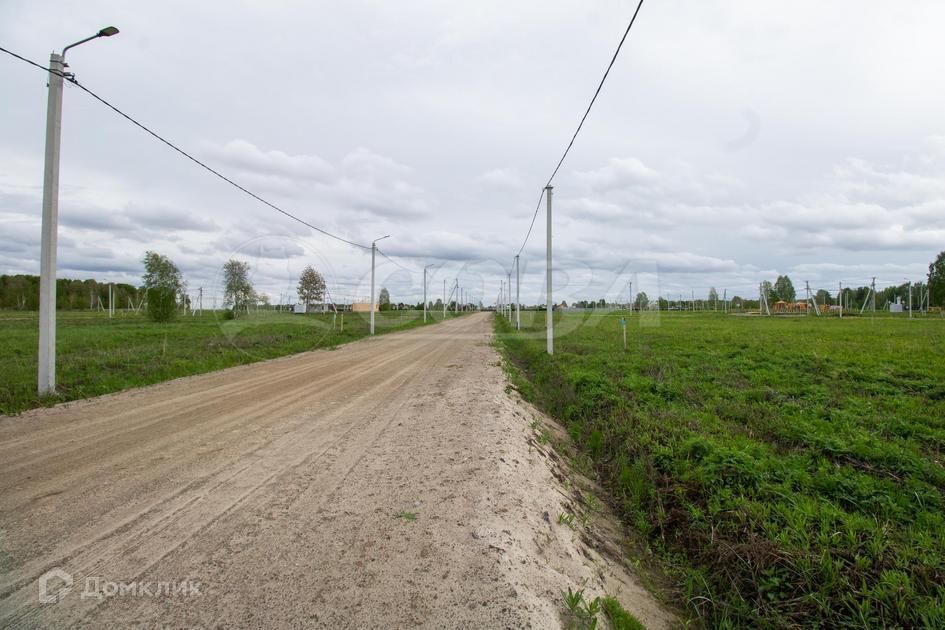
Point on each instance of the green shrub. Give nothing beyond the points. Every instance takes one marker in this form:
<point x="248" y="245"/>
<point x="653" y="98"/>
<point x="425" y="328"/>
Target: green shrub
<point x="162" y="304"/>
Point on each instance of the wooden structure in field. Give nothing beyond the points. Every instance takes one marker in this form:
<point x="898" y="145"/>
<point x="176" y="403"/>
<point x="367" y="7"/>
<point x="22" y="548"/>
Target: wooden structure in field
<point x="364" y="307"/>
<point x="784" y="308"/>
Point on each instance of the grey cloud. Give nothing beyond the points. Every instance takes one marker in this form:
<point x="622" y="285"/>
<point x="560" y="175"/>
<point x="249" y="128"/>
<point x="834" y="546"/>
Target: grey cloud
<point x="259" y="247"/>
<point x="135" y="220"/>
<point x="78" y="265"/>
<point x="364" y="181"/>
<point x="393" y="199"/>
<point x="170" y="219"/>
<point x="448" y="246"/>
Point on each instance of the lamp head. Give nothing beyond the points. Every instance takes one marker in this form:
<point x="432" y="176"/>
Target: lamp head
<point x="108" y="31"/>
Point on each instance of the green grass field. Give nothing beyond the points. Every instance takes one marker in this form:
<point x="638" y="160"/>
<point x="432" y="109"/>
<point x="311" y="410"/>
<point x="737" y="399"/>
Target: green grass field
<point x="789" y="471"/>
<point x="97" y="355"/>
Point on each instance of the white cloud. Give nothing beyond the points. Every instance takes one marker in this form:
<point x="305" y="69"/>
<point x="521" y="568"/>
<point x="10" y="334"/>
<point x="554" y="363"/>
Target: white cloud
<point x="502" y="179"/>
<point x="618" y="173"/>
<point x="245" y="156"/>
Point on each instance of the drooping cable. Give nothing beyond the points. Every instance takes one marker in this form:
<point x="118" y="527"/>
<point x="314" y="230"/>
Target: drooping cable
<point x="71" y="79"/>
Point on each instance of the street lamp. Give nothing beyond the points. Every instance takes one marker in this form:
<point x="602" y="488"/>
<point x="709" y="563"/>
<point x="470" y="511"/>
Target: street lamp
<point x="425" y="292"/>
<point x="46" y="377"/>
<point x="373" y="251"/>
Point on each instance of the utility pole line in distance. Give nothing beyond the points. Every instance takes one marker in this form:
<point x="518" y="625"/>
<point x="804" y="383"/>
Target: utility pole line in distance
<point x="518" y="300"/>
<point x="373" y="252"/>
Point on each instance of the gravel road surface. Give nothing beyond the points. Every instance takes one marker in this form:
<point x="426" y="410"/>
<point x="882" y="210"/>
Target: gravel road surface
<point x="393" y="482"/>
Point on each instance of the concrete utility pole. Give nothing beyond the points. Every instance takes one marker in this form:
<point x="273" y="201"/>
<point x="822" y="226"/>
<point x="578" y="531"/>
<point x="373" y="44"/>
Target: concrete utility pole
<point x="444" y="298"/>
<point x="910" y="296"/>
<point x="373" y="297"/>
<point x="763" y="300"/>
<point x="811" y="300"/>
<point x="425" y="292"/>
<point x="518" y="300"/>
<point x="373" y="252"/>
<point x="46" y="376"/>
<point x="840" y="299"/>
<point x="549" y="314"/>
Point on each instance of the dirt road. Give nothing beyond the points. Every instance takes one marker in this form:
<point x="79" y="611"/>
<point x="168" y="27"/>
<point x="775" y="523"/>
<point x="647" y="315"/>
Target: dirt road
<point x="392" y="482"/>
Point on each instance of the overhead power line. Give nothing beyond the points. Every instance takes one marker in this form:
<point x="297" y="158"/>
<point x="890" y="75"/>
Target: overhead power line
<point x="581" y="124"/>
<point x="21" y="58"/>
<point x="532" y="224"/>
<point x="74" y="81"/>
<point x="392" y="261"/>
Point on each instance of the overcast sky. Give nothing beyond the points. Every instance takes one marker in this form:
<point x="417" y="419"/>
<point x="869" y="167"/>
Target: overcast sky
<point x="734" y="141"/>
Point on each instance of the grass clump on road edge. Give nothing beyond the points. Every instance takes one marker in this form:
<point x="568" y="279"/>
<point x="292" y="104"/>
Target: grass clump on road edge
<point x="99" y="355"/>
<point x="788" y="470"/>
<point x="583" y="612"/>
<point x="619" y="618"/>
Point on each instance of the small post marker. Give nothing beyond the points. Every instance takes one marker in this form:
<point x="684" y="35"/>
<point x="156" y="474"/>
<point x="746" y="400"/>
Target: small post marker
<point x="623" y="324"/>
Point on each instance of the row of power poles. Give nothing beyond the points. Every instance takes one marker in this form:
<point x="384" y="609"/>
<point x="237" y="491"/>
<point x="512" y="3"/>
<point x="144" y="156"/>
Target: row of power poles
<point x="504" y="301"/>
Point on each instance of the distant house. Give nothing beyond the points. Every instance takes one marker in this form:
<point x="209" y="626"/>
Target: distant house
<point x="321" y="307"/>
<point x="364" y="307"/>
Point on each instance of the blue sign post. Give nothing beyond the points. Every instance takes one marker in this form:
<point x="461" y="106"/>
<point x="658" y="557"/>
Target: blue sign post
<point x="623" y="324"/>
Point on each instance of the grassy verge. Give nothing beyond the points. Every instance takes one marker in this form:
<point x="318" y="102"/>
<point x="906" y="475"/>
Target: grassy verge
<point x="97" y="355"/>
<point x="789" y="471"/>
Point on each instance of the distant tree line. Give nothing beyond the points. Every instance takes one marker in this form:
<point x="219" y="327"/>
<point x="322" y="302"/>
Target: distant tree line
<point x="164" y="286"/>
<point x="21" y="292"/>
